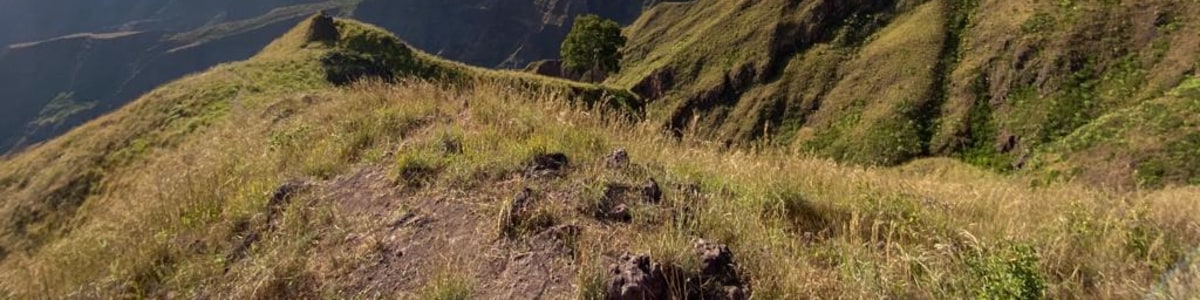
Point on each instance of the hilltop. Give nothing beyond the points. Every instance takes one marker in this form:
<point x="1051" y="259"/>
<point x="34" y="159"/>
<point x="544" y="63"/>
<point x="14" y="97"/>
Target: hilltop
<point x="340" y="162"/>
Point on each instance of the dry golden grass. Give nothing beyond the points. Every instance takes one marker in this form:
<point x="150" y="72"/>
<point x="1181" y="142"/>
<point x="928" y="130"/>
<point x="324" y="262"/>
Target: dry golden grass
<point x="799" y="226"/>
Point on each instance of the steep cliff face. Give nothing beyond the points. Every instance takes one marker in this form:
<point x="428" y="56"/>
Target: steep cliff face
<point x="882" y="82"/>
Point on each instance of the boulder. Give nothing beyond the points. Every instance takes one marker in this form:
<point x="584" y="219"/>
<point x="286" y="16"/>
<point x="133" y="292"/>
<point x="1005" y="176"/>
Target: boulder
<point x="651" y="192"/>
<point x="718" y="278"/>
<point x="618" y="159"/>
<point x="636" y="277"/>
<point x="715" y="259"/>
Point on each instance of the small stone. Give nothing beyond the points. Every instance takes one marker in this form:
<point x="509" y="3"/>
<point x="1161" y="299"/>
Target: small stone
<point x="651" y="192"/>
<point x="621" y="213"/>
<point x="618" y="159"/>
<point x="546" y="164"/>
<point x="734" y="292"/>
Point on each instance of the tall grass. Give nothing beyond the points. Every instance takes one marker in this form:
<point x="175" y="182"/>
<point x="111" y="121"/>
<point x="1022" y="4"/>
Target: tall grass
<point x="799" y="226"/>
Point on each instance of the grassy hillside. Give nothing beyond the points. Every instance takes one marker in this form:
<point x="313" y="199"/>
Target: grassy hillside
<point x="993" y="83"/>
<point x="264" y="179"/>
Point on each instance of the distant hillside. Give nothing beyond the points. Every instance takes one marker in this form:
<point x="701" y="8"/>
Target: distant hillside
<point x="52" y="85"/>
<point x="493" y="33"/>
<point x="35" y="20"/>
<point x="996" y="83"/>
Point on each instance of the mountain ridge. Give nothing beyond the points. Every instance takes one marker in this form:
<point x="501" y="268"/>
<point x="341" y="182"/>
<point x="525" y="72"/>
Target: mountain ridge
<point x="190" y="45"/>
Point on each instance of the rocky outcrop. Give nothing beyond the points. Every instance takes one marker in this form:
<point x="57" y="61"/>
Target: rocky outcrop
<point x="636" y="277"/>
<point x="640" y="277"/>
<point x="323" y="29"/>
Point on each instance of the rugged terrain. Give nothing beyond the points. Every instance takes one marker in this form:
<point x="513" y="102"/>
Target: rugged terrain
<point x="1058" y="88"/>
<point x="339" y="162"/>
<point x="63" y="64"/>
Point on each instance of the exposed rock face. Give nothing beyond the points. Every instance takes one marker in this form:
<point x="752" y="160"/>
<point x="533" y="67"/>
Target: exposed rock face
<point x="656" y="85"/>
<point x="639" y="277"/>
<point x="636" y="277"/>
<point x="552" y="68"/>
<point x="323" y="29"/>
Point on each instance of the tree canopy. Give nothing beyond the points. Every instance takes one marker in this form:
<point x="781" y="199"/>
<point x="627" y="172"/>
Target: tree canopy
<point x="593" y="43"/>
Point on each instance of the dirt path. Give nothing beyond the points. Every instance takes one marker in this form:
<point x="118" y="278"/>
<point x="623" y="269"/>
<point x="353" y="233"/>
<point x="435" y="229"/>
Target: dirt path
<point x="398" y="242"/>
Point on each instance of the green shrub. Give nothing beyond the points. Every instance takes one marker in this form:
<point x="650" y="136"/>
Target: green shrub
<point x="1008" y="273"/>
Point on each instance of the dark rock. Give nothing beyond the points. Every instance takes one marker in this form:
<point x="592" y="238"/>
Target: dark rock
<point x="282" y="196"/>
<point x="618" y="159"/>
<point x="284" y="193"/>
<point x="735" y="293"/>
<point x="651" y="192"/>
<point x="620" y="213"/>
<point x="323" y="29"/>
<point x="544" y="164"/>
<point x="715" y="259"/>
<point x="636" y="277"/>
<point x="718" y="278"/>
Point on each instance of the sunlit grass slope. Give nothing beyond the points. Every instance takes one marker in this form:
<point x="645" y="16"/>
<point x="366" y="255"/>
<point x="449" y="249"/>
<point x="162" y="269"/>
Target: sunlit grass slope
<point x="159" y="198"/>
<point x="994" y="83"/>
